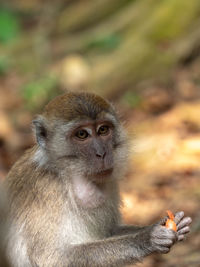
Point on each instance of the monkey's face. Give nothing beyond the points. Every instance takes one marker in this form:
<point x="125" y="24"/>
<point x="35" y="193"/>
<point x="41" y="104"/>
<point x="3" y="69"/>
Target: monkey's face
<point x="93" y="143"/>
<point x="81" y="132"/>
<point x="90" y="146"/>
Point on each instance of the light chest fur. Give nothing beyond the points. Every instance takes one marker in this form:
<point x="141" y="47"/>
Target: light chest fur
<point x="80" y="225"/>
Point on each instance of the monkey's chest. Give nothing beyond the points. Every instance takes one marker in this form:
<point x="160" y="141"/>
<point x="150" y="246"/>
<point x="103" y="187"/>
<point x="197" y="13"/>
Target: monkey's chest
<point x="77" y="229"/>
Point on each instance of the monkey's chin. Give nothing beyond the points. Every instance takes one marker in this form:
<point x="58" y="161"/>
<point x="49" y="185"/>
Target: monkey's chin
<point x="102" y="176"/>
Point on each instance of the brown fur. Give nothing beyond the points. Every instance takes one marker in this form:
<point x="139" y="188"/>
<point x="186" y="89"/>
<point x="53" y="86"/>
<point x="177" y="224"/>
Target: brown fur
<point x="37" y="201"/>
<point x="75" y="105"/>
<point x="4" y="223"/>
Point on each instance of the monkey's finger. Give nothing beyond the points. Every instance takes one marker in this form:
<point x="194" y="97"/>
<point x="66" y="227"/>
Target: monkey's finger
<point x="184" y="230"/>
<point x="164" y="242"/>
<point x="163" y="249"/>
<point x="178" y="216"/>
<point x="185" y="222"/>
<point x="163" y="221"/>
<point x="181" y="237"/>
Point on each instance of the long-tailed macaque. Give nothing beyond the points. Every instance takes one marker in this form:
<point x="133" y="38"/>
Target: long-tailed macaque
<point x="64" y="197"/>
<point x="4" y="228"/>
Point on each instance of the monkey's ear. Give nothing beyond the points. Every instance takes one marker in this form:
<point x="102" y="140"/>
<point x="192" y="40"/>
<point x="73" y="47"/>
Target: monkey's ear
<point x="40" y="130"/>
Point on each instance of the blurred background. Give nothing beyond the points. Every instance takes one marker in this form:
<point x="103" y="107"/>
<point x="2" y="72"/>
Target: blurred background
<point x="144" y="56"/>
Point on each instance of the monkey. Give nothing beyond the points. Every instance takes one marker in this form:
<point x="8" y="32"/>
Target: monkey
<point x="4" y="227"/>
<point x="64" y="192"/>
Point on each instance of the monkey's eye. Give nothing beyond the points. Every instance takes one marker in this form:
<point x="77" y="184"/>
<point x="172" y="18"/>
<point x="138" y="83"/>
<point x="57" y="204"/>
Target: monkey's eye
<point x="81" y="134"/>
<point x="103" y="130"/>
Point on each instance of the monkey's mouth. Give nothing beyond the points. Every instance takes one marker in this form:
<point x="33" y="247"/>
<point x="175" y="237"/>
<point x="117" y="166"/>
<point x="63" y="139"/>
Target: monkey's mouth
<point x="103" y="173"/>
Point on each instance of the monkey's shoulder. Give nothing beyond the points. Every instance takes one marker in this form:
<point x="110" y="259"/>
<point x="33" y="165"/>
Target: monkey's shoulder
<point x="26" y="182"/>
<point x="23" y="164"/>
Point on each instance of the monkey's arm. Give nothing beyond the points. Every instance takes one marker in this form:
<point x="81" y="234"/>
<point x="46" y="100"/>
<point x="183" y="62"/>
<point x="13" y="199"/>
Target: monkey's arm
<point x="126" y="229"/>
<point x="129" y="248"/>
<point x="182" y="225"/>
<point x="122" y="250"/>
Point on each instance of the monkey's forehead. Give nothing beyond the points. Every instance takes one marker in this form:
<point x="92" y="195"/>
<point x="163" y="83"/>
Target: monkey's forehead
<point x="71" y="106"/>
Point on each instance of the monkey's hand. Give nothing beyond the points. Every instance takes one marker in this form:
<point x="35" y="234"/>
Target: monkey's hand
<point x="182" y="224"/>
<point x="162" y="238"/>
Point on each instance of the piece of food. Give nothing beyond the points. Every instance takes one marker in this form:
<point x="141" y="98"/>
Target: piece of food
<point x="170" y="222"/>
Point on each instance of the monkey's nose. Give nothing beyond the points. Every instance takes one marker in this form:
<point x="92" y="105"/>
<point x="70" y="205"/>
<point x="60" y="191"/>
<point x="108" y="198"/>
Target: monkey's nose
<point x="101" y="155"/>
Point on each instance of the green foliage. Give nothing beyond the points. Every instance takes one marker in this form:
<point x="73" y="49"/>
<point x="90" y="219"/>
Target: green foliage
<point x="124" y="41"/>
<point x="172" y="17"/>
<point x="37" y="92"/>
<point x="4" y="65"/>
<point x="107" y="42"/>
<point x="132" y="99"/>
<point x="9" y="26"/>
